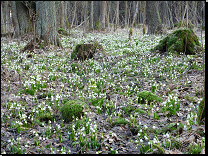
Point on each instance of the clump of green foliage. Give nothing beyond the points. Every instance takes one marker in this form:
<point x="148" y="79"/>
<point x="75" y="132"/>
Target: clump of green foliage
<point x="146" y="95"/>
<point x="119" y="121"/>
<point x="98" y="25"/>
<point x="180" y="41"/>
<point x="62" y="31"/>
<point x="46" y="117"/>
<point x="201" y="112"/>
<point x="72" y="108"/>
<point x="128" y="110"/>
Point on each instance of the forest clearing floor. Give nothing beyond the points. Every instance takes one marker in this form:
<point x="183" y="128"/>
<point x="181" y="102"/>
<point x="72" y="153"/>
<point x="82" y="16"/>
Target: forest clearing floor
<point x="35" y="85"/>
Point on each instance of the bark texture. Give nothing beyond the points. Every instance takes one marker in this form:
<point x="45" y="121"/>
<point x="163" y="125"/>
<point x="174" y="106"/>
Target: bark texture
<point x="46" y="27"/>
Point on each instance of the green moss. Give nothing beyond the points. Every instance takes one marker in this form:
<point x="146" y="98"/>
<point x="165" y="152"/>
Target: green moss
<point x="119" y="121"/>
<point x="144" y="31"/>
<point x="46" y="117"/>
<point x="62" y="31"/>
<point x="72" y="108"/>
<point x="98" y="25"/>
<point x="85" y="50"/>
<point x="180" y="41"/>
<point x="131" y="31"/>
<point x="146" y="95"/>
<point x="190" y="25"/>
<point x="127" y="110"/>
<point x="201" y="112"/>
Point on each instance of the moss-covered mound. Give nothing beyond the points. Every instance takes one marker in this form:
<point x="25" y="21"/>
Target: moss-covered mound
<point x="201" y="112"/>
<point x="146" y="95"/>
<point x="72" y="108"/>
<point x="180" y="41"/>
<point x="86" y="50"/>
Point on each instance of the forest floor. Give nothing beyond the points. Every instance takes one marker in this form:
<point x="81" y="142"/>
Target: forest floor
<point x="35" y="85"/>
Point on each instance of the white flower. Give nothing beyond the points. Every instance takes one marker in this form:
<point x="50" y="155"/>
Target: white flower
<point x="146" y="138"/>
<point x="185" y="128"/>
<point x="154" y="141"/>
<point x="153" y="127"/>
<point x="141" y="140"/>
<point x="138" y="134"/>
<point x="145" y="126"/>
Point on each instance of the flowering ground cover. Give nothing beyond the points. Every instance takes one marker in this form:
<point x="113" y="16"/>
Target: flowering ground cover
<point x="134" y="101"/>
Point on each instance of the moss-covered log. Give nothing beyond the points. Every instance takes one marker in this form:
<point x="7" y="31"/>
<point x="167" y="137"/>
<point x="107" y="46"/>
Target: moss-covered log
<point x="180" y="41"/>
<point x="86" y="50"/>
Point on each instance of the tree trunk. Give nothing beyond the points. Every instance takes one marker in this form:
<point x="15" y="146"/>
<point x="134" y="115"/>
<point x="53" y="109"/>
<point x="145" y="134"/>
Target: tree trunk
<point x="25" y="25"/>
<point x="126" y="6"/>
<point x="85" y="16"/>
<point x="109" y="10"/>
<point x="62" y="14"/>
<point x="153" y="19"/>
<point x="144" y="15"/>
<point x="14" y="19"/>
<point x="117" y="13"/>
<point x="96" y="14"/>
<point x="91" y="15"/>
<point x="135" y="14"/>
<point x="75" y="8"/>
<point x="203" y="14"/>
<point x="171" y="20"/>
<point x="7" y="16"/>
<point x="3" y="27"/>
<point x="46" y="26"/>
<point x="103" y="14"/>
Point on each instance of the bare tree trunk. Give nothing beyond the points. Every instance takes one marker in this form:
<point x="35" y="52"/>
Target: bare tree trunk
<point x="117" y="13"/>
<point x="62" y="15"/>
<point x="194" y="12"/>
<point x="126" y="6"/>
<point x="75" y="8"/>
<point x="91" y="15"/>
<point x="153" y="18"/>
<point x="144" y="15"/>
<point x="135" y="14"/>
<point x="25" y="25"/>
<point x="85" y="17"/>
<point x="46" y="26"/>
<point x="103" y="14"/>
<point x="7" y="16"/>
<point x="109" y="10"/>
<point x="129" y="15"/>
<point x="14" y="18"/>
<point x="186" y="14"/>
<point x="171" y="19"/>
<point x="3" y="27"/>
